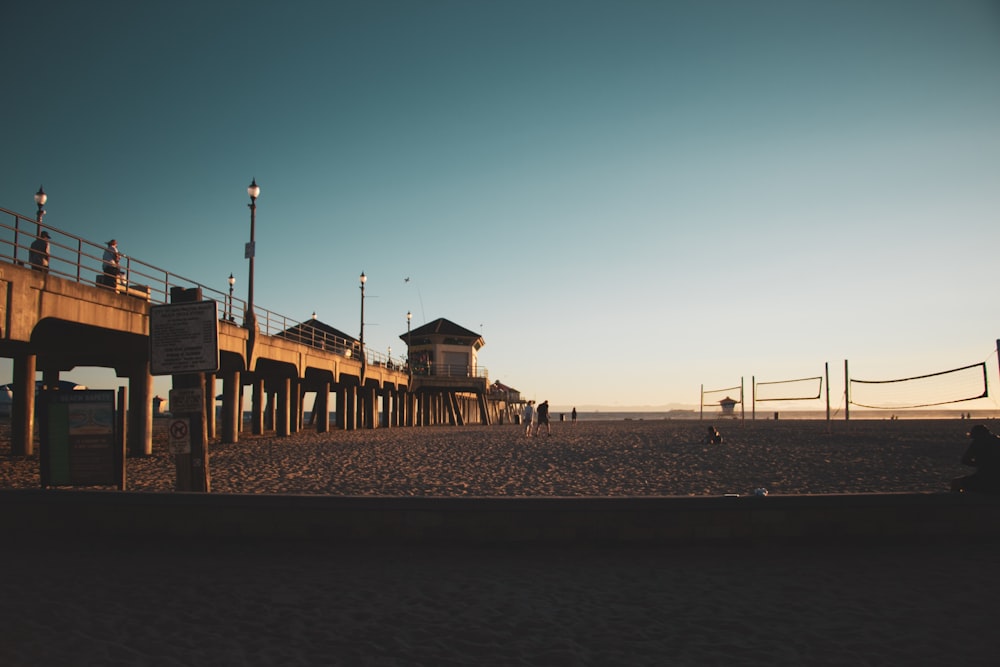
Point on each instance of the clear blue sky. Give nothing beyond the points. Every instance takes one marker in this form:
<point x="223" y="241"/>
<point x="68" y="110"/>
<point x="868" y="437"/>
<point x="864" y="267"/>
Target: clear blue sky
<point x="629" y="199"/>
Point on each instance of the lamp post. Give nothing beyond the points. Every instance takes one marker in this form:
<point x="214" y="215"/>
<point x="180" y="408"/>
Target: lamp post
<point x="250" y="320"/>
<point x="409" y="361"/>
<point x="40" y="199"/>
<point x="232" y="281"/>
<point x="363" y="355"/>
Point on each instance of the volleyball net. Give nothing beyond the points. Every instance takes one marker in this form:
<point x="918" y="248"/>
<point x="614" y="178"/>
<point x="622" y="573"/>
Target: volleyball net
<point x="725" y="399"/>
<point x="922" y="391"/>
<point x="802" y="389"/>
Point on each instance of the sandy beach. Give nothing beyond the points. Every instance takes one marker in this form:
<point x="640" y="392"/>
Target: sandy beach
<point x="263" y="604"/>
<point x="601" y="458"/>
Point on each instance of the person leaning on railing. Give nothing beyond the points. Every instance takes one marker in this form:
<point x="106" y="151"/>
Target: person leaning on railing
<point x="111" y="264"/>
<point x="38" y="255"/>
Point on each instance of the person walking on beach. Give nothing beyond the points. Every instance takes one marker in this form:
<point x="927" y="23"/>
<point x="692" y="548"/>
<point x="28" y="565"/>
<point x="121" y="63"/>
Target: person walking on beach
<point x="983" y="454"/>
<point x="574" y="415"/>
<point x="526" y="417"/>
<point x="543" y="418"/>
<point x="38" y="256"/>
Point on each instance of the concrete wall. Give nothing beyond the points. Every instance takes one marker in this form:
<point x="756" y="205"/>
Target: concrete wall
<point x="81" y="514"/>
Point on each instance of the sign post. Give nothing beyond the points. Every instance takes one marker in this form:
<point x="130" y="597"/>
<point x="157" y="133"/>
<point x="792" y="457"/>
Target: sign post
<point x="184" y="343"/>
<point x="80" y="441"/>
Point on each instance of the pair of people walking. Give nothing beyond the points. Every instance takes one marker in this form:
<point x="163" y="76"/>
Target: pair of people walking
<point x="536" y="417"/>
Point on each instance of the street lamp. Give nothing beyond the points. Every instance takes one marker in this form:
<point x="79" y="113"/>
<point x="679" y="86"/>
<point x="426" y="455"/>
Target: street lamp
<point x="250" y="320"/>
<point x="409" y="363"/>
<point x="232" y="281"/>
<point x="40" y="199"/>
<point x="363" y="355"/>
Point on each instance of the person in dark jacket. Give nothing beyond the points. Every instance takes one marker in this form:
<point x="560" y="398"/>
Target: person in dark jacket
<point x="983" y="454"/>
<point x="38" y="257"/>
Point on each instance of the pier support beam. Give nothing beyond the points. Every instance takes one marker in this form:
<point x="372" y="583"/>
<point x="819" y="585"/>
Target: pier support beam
<point x="388" y="407"/>
<point x="230" y="407"/>
<point x="321" y="409"/>
<point x="340" y="408"/>
<point x="454" y="410"/>
<point x="257" y="399"/>
<point x="411" y="408"/>
<point x="484" y="411"/>
<point x="269" y="410"/>
<point x="283" y="415"/>
<point x="210" y="411"/>
<point x="294" y="406"/>
<point x="367" y="407"/>
<point x="351" y="408"/>
<point x="22" y="408"/>
<point x="425" y="408"/>
<point x="139" y="441"/>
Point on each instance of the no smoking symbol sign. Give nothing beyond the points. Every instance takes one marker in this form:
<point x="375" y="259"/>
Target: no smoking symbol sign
<point x="180" y="437"/>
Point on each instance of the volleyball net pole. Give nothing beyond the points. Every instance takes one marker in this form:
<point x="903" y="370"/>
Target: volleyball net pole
<point x="826" y="375"/>
<point x="847" y="393"/>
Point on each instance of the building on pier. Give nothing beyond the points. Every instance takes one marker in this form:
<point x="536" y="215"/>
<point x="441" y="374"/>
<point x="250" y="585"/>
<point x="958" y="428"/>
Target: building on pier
<point x="321" y="335"/>
<point x="505" y="402"/>
<point x="443" y="360"/>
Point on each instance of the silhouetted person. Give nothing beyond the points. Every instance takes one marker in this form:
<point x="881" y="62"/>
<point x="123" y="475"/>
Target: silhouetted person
<point x="543" y="418"/>
<point x="983" y="454"/>
<point x="111" y="264"/>
<point x="527" y="416"/>
<point x="574" y="415"/>
<point x="713" y="437"/>
<point x="38" y="256"/>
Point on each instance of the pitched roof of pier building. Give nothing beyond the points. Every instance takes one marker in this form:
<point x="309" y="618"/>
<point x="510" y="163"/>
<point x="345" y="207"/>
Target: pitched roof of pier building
<point x="442" y="332"/>
<point x="318" y="334"/>
<point x="444" y="348"/>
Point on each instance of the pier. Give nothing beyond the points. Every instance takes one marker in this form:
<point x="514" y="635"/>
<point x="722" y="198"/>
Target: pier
<point x="70" y="314"/>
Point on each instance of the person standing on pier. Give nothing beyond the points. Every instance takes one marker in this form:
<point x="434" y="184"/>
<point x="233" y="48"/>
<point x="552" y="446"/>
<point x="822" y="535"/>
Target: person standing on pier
<point x="110" y="265"/>
<point x="38" y="256"/>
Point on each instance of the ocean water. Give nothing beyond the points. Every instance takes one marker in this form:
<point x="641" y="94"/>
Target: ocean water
<point x="715" y="415"/>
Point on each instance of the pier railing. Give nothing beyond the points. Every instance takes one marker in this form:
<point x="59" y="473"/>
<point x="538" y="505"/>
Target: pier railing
<point x="450" y="370"/>
<point x="79" y="260"/>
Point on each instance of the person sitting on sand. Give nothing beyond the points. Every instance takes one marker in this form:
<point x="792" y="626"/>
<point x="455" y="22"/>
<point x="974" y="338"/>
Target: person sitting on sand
<point x="983" y="454"/>
<point x="713" y="437"/>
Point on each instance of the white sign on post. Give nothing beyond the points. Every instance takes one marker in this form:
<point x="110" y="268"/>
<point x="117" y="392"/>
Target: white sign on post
<point x="186" y="400"/>
<point x="180" y="437"/>
<point x="184" y="338"/>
